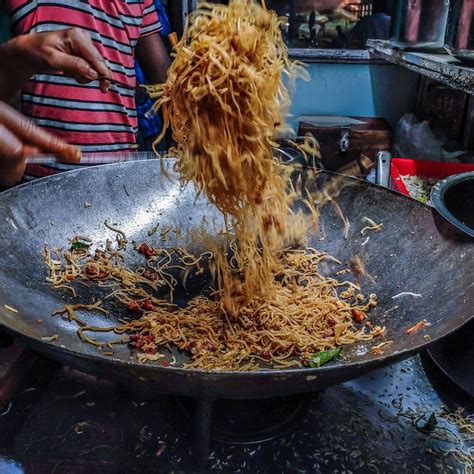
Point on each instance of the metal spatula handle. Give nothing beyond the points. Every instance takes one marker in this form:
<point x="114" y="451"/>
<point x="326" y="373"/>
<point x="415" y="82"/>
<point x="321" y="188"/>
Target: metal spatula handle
<point x="95" y="158"/>
<point x="384" y="159"/>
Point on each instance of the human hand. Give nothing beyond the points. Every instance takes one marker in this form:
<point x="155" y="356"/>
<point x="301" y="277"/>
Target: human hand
<point x="69" y="51"/>
<point x="20" y="137"/>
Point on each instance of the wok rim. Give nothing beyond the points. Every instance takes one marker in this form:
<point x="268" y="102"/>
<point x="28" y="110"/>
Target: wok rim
<point x="191" y="372"/>
<point x="110" y="360"/>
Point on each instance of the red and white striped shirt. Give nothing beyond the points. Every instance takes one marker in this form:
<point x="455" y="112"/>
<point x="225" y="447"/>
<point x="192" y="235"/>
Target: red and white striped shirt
<point x="82" y="114"/>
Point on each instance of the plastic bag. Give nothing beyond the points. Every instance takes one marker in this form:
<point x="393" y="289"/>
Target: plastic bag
<point x="416" y="140"/>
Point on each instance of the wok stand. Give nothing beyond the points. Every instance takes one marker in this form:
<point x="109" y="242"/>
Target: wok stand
<point x="255" y="421"/>
<point x="202" y="430"/>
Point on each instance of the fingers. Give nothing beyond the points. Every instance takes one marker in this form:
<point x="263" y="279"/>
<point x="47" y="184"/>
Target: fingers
<point x="74" y="66"/>
<point x="81" y="45"/>
<point x="29" y="150"/>
<point x="12" y="162"/>
<point x="104" y="83"/>
<point x="27" y="132"/>
<point x="11" y="149"/>
<point x="70" y="51"/>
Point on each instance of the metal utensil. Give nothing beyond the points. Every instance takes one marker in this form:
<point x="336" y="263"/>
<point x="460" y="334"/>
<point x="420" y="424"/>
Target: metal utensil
<point x="384" y="159"/>
<point x="95" y="158"/>
<point x="138" y="196"/>
<point x="115" y="82"/>
<point x="419" y="25"/>
<point x="460" y="30"/>
<point x="453" y="198"/>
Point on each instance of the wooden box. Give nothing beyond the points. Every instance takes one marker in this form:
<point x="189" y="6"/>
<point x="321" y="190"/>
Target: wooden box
<point x="344" y="143"/>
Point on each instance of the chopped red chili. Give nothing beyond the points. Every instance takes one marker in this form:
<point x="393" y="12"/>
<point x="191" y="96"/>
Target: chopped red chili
<point x="265" y="355"/>
<point x="146" y="250"/>
<point x="91" y="270"/>
<point x="133" y="305"/>
<point x="358" y="315"/>
<point x="149" y="275"/>
<point x="147" y="305"/>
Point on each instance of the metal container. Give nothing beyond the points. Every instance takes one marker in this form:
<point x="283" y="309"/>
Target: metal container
<point x="460" y="30"/>
<point x="453" y="198"/>
<point x="419" y="24"/>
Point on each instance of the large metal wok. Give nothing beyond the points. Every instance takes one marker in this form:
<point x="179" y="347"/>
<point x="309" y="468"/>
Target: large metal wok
<point x="413" y="253"/>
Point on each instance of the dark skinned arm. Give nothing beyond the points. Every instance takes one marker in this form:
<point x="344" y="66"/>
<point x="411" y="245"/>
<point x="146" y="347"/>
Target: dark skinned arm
<point x="69" y="51"/>
<point x="19" y="137"/>
<point x="153" y="58"/>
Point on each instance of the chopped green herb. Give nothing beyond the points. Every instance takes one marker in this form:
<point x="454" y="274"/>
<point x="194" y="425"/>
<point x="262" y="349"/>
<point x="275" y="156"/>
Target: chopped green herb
<point x="321" y="358"/>
<point x="79" y="245"/>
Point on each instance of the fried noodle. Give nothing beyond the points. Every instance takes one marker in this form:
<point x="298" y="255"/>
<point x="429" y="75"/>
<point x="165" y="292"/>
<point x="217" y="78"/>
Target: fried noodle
<point x="226" y="102"/>
<point x="310" y="313"/>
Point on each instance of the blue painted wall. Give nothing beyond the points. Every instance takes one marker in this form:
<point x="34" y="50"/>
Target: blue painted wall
<point x="365" y="90"/>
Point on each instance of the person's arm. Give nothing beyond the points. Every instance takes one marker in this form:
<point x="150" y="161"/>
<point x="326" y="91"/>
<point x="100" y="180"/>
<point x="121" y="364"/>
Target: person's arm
<point x="153" y="58"/>
<point x="19" y="137"/>
<point x="69" y="51"/>
<point x="150" y="51"/>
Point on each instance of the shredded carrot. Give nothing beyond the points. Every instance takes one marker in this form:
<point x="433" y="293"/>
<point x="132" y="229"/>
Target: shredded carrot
<point x="419" y="325"/>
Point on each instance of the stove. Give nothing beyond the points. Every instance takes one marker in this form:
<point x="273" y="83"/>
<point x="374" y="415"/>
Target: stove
<point x="57" y="420"/>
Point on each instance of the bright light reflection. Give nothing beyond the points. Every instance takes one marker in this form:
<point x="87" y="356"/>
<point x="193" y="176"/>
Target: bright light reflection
<point x="146" y="217"/>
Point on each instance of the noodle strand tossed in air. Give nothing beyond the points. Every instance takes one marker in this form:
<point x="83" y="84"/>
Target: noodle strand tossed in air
<point x="226" y="101"/>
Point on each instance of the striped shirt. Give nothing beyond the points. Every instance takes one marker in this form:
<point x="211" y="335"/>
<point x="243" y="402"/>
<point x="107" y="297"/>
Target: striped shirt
<point x="82" y="114"/>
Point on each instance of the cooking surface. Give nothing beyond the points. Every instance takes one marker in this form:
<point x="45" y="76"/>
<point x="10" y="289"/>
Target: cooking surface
<point x="80" y="202"/>
<point x="62" y="421"/>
